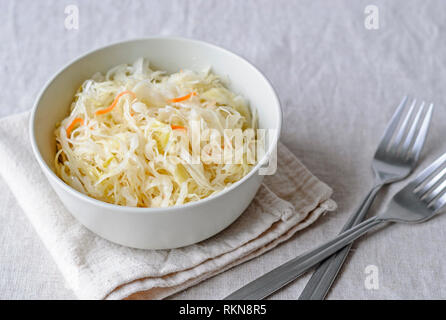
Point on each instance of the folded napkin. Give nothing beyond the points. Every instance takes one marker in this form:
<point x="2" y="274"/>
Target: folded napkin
<point x="95" y="268"/>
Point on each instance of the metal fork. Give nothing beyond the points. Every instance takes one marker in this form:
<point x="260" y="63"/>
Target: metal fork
<point x="419" y="201"/>
<point x="393" y="161"/>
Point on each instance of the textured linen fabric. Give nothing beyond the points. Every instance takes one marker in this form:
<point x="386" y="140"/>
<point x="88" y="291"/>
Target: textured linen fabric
<point x="95" y="268"/>
<point x="339" y="84"/>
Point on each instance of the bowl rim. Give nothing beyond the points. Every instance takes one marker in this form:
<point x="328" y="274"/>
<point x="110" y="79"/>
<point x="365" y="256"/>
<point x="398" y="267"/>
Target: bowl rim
<point x="148" y="210"/>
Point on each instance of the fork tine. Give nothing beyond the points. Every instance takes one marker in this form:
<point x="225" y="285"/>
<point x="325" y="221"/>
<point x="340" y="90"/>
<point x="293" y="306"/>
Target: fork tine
<point x="390" y="130"/>
<point x="429" y="170"/>
<point x="431" y="196"/>
<point x="402" y="130"/>
<point x="433" y="181"/>
<point x="415" y="151"/>
<point x="439" y="203"/>
<point x="410" y="136"/>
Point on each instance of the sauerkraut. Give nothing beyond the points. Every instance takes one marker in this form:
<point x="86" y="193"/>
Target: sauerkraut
<point x="127" y="138"/>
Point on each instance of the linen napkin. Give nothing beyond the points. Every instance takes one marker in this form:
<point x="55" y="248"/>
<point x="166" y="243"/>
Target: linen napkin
<point x="95" y="268"/>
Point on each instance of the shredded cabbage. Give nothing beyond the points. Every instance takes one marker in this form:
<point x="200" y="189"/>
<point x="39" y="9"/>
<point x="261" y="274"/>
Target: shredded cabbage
<point x="132" y="155"/>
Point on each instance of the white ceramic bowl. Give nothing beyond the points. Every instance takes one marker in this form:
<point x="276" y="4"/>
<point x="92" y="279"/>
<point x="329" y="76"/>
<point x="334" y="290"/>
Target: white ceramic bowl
<point x="153" y="228"/>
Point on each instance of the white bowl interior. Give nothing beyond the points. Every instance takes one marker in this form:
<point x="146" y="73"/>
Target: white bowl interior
<point x="170" y="54"/>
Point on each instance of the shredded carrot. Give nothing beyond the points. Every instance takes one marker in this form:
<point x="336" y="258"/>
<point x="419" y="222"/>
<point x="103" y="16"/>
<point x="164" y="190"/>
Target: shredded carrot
<point x="187" y="96"/>
<point x="72" y="124"/>
<point x="110" y="108"/>
<point x="174" y="127"/>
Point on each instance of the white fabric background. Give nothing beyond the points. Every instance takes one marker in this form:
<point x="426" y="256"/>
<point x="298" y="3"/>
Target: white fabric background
<point x="338" y="82"/>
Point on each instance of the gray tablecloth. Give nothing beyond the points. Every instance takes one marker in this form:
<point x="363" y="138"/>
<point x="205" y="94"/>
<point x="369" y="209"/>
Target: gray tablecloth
<point x="339" y="83"/>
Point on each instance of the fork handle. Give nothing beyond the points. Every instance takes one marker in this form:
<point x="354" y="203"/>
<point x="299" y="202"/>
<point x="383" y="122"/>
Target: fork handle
<point x="284" y="274"/>
<point x="325" y="274"/>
